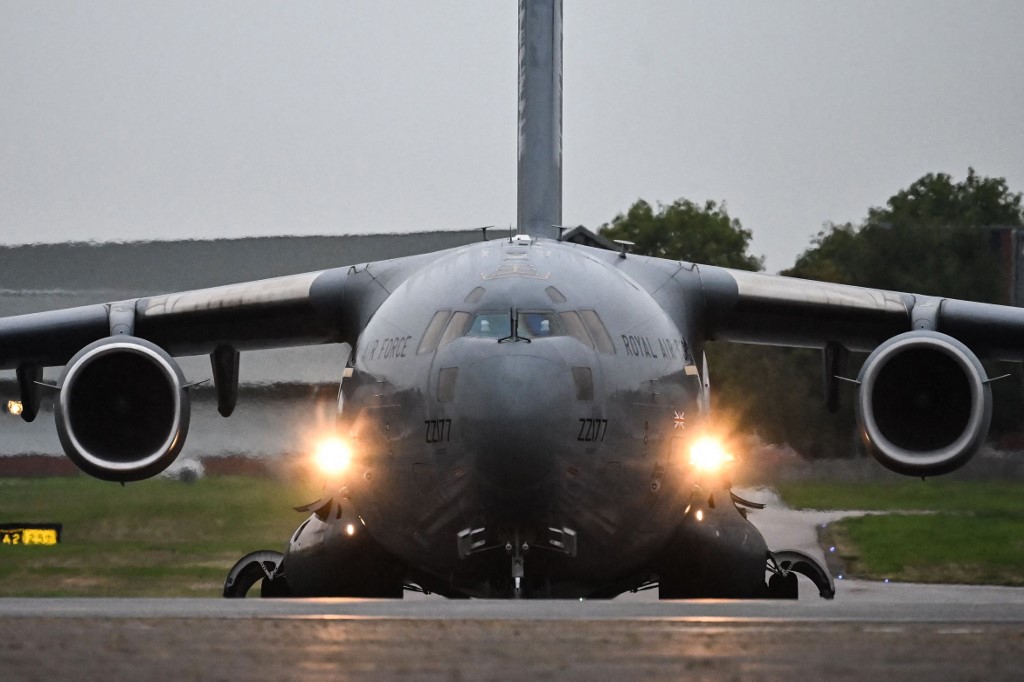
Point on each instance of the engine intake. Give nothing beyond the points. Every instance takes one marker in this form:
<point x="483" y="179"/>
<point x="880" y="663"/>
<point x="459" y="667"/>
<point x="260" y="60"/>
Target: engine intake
<point x="924" y="405"/>
<point x="123" y="410"/>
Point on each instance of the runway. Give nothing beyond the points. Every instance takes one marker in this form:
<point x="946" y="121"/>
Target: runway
<point x="871" y="630"/>
<point x="856" y="601"/>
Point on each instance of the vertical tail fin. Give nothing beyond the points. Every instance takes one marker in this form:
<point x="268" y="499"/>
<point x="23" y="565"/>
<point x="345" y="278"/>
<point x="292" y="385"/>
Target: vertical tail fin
<point x="540" y="117"/>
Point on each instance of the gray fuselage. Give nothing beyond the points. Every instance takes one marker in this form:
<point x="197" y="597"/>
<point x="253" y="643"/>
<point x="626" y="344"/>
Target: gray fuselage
<point x="471" y="441"/>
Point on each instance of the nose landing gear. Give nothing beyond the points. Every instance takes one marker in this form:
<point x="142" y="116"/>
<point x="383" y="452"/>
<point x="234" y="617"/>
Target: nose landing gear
<point x="517" y="552"/>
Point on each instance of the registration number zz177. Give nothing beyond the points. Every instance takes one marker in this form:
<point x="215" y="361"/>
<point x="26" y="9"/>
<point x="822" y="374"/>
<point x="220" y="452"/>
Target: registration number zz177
<point x="592" y="430"/>
<point x="438" y="430"/>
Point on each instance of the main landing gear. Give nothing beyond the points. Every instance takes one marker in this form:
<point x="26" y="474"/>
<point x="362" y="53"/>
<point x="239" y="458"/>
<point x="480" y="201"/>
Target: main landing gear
<point x="716" y="553"/>
<point x="256" y="567"/>
<point x="784" y="567"/>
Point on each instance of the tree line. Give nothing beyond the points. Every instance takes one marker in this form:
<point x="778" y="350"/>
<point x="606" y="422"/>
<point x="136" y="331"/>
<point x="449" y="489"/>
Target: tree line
<point x="937" y="237"/>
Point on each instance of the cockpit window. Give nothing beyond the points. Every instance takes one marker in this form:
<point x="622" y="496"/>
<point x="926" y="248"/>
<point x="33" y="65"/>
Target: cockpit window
<point x="574" y="327"/>
<point x="475" y="295"/>
<point x="457" y="326"/>
<point x="531" y="324"/>
<point x="490" y="326"/>
<point x="555" y="295"/>
<point x="598" y="332"/>
<point x="539" y="325"/>
<point x="428" y="344"/>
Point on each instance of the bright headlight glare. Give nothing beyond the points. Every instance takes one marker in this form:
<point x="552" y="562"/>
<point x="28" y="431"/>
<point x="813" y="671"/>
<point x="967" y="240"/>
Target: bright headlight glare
<point x="332" y="456"/>
<point x="709" y="455"/>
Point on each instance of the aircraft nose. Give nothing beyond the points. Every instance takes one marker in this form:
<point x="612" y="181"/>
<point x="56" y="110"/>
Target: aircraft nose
<point x="517" y="410"/>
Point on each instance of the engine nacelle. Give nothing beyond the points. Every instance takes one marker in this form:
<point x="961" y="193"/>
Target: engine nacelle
<point x="123" y="410"/>
<point x="924" y="405"/>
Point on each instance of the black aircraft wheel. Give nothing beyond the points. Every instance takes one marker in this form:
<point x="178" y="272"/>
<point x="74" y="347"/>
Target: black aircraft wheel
<point x="253" y="568"/>
<point x="789" y="562"/>
<point x="783" y="586"/>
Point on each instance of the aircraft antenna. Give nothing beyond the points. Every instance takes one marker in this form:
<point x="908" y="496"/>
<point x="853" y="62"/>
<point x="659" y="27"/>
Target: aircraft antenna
<point x="562" y="228"/>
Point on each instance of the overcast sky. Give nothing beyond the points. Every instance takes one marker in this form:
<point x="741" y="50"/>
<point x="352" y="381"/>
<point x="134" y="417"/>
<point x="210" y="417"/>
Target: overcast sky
<point x="152" y="120"/>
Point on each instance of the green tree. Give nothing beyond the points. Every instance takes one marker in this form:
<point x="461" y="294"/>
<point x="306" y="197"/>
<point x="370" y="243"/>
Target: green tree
<point x="933" y="237"/>
<point x="685" y="231"/>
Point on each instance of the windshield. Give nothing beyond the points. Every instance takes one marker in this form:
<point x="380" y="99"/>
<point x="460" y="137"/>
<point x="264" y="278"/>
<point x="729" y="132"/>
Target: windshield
<point x="534" y="324"/>
<point x="490" y="326"/>
<point x="538" y="325"/>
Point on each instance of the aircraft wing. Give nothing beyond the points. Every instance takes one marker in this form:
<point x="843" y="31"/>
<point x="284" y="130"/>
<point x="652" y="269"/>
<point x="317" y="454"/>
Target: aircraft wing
<point x="923" y="399"/>
<point x="266" y="313"/>
<point x="312" y="308"/>
<point x="769" y="309"/>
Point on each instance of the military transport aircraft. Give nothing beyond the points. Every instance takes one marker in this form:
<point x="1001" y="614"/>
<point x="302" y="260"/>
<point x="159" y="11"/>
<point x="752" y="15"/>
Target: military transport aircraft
<point x="521" y="417"/>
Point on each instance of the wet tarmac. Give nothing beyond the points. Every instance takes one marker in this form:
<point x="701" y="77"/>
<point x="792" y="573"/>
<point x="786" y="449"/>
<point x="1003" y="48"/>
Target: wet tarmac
<point x="870" y="631"/>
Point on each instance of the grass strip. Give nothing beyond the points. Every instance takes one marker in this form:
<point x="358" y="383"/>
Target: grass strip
<point x="973" y="532"/>
<point x="976" y="497"/>
<point x="155" y="538"/>
<point x="935" y="548"/>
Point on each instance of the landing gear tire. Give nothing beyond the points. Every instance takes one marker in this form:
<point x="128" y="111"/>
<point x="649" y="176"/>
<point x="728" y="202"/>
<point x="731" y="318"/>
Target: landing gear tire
<point x="785" y="566"/>
<point x="783" y="586"/>
<point x="253" y="568"/>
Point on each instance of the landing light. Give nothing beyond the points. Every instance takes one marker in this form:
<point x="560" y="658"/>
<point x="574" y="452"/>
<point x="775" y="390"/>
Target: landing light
<point x="332" y="456"/>
<point x="15" y="407"/>
<point x="708" y="455"/>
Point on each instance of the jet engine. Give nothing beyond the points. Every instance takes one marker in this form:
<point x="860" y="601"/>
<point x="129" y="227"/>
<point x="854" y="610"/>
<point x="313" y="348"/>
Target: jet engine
<point x="123" y="409"/>
<point x="924" y="405"/>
